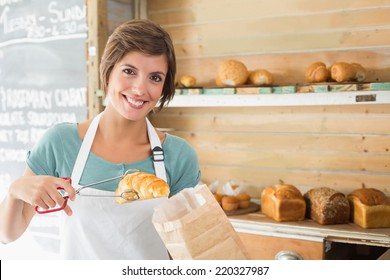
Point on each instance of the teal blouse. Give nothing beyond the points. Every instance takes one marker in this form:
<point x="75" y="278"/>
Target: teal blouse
<point x="55" y="155"/>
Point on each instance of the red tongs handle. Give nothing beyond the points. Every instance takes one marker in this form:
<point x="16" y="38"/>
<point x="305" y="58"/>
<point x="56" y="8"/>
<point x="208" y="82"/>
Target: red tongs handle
<point x="51" y="210"/>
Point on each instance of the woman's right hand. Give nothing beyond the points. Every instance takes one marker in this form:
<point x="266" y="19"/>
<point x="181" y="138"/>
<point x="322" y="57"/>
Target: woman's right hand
<point x="42" y="191"/>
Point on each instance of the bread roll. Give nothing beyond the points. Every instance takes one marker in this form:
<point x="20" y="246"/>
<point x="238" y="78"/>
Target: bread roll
<point x="370" y="208"/>
<point x="360" y="72"/>
<point x="283" y="203"/>
<point x="218" y="82"/>
<point x="244" y="200"/>
<point x="187" y="81"/>
<point x="229" y="203"/>
<point x="317" y="73"/>
<point x="327" y="206"/>
<point x="260" y="77"/>
<point x="342" y="72"/>
<point x="146" y="185"/>
<point x="218" y="197"/>
<point x="232" y="73"/>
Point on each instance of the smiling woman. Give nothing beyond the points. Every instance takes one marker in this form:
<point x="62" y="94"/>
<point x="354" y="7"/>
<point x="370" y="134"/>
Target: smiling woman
<point x="137" y="72"/>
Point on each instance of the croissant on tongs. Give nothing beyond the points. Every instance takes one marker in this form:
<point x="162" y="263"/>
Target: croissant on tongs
<point x="140" y="185"/>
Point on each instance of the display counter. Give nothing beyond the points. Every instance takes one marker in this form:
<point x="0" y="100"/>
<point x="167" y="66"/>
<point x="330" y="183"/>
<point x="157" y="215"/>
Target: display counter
<point x="265" y="238"/>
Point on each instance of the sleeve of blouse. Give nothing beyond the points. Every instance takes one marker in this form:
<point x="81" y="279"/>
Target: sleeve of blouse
<point x="187" y="172"/>
<point x="44" y="157"/>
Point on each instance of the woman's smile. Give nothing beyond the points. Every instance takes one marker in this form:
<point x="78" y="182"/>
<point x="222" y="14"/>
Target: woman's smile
<point x="134" y="103"/>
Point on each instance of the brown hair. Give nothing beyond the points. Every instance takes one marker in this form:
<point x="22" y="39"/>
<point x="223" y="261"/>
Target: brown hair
<point x="143" y="36"/>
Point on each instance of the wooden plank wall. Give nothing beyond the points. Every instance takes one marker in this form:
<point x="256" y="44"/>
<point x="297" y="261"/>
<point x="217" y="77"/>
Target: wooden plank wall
<point x="283" y="37"/>
<point x="118" y="12"/>
<point x="344" y="147"/>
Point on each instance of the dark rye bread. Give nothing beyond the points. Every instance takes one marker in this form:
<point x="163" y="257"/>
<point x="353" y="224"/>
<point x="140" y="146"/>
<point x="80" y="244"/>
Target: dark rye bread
<point x="327" y="206"/>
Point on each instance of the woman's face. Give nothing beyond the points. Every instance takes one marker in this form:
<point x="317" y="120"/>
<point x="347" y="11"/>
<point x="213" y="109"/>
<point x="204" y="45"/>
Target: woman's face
<point x="136" y="83"/>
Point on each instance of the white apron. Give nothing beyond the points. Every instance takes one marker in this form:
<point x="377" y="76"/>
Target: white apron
<point x="101" y="229"/>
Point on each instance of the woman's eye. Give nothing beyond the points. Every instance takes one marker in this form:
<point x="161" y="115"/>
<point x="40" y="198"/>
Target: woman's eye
<point x="128" y="71"/>
<point x="156" y="78"/>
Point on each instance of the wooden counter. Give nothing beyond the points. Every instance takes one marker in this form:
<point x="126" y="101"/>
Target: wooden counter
<point x="264" y="237"/>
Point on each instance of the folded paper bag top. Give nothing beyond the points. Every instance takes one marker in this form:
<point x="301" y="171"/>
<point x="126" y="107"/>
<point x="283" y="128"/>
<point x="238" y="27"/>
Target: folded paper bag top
<point x="192" y="225"/>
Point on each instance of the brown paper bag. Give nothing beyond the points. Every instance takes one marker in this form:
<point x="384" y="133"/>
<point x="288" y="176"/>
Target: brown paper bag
<point x="193" y="225"/>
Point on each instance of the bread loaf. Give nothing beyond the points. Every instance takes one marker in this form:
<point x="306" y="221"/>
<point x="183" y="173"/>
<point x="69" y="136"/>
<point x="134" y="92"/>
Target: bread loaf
<point x="146" y="185"/>
<point x="232" y="73"/>
<point x="370" y="208"/>
<point x="283" y="203"/>
<point x="327" y="206"/>
<point x="317" y="73"/>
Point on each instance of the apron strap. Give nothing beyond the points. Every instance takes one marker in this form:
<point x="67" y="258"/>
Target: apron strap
<point x="158" y="152"/>
<point x="84" y="151"/>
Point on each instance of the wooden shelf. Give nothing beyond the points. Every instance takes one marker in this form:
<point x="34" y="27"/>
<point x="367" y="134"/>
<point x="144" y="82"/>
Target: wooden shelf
<point x="282" y="99"/>
<point x="259" y="224"/>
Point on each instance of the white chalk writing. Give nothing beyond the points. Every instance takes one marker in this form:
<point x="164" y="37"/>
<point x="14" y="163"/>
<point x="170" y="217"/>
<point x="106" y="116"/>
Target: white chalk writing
<point x="49" y="119"/>
<point x="55" y="21"/>
<point x="9" y="2"/>
<point x="15" y="155"/>
<point x="70" y="97"/>
<point x="69" y="14"/>
<point x="41" y="99"/>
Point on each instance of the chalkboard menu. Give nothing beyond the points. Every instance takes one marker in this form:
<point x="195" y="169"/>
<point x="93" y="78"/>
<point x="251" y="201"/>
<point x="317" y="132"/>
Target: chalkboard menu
<point x="42" y="75"/>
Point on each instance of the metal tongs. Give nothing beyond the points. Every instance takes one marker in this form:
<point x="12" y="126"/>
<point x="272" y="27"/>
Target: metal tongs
<point x="125" y="194"/>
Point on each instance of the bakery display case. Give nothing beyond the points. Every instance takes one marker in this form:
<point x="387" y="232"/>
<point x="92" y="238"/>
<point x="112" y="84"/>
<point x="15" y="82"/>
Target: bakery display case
<point x="267" y="239"/>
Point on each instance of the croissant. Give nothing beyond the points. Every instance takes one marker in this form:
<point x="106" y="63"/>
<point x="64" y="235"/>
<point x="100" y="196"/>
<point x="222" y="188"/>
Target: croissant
<point x="317" y="73"/>
<point x="342" y="72"/>
<point x="146" y="185"/>
<point x="361" y="72"/>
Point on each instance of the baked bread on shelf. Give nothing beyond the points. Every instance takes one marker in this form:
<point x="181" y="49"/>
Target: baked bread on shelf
<point x="232" y="73"/>
<point x="260" y="77"/>
<point x="317" y="73"/>
<point x="360" y="72"/>
<point x="342" y="72"/>
<point x="327" y="206"/>
<point x="370" y="208"/>
<point x="283" y="203"/>
<point x="146" y="185"/>
<point x="187" y="81"/>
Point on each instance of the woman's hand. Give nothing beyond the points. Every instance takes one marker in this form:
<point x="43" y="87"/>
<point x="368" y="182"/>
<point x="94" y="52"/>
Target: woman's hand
<point x="42" y="191"/>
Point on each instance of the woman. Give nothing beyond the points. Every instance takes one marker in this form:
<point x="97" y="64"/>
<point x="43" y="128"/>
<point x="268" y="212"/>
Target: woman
<point x="137" y="72"/>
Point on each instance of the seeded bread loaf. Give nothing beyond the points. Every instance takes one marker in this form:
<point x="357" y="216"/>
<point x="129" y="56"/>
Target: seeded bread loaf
<point x="327" y="206"/>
